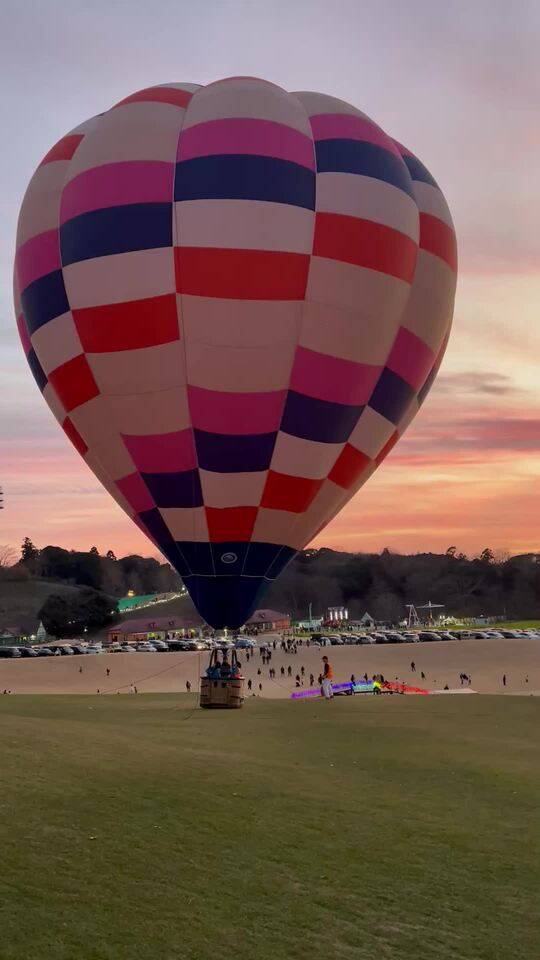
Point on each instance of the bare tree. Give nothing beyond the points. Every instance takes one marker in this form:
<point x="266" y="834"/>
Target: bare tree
<point x="8" y="556"/>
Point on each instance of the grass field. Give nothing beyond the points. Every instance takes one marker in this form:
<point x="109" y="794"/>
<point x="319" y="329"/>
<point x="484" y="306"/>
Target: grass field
<point x="396" y="828"/>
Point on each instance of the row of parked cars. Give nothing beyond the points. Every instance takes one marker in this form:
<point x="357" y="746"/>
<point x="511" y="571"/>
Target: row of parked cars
<point x="144" y="646"/>
<point x="418" y="636"/>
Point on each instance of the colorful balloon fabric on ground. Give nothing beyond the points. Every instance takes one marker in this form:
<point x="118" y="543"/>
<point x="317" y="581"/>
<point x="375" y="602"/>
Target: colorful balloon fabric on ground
<point x="234" y="300"/>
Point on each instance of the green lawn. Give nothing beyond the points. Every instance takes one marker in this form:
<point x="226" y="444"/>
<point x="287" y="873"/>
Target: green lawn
<point x="393" y="828"/>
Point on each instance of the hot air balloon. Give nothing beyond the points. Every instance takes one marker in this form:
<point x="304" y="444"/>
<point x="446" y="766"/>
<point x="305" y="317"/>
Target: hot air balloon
<point x="234" y="300"/>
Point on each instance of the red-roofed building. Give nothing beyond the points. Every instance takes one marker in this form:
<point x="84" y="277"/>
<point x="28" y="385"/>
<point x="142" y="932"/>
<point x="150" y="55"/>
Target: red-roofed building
<point x="268" y="620"/>
<point x="158" y="628"/>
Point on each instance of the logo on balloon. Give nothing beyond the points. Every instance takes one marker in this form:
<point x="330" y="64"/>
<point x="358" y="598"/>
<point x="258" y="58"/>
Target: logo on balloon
<point x="229" y="557"/>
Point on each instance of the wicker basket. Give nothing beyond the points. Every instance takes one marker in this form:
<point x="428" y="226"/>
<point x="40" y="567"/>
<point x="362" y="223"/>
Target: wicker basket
<point x="223" y="693"/>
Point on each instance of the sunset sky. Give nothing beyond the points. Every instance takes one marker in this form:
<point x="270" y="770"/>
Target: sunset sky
<point x="459" y="84"/>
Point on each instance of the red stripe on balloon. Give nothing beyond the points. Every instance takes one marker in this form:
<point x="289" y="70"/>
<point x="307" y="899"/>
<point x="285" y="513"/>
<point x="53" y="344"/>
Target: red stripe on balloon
<point x="437" y="238"/>
<point x="390" y="443"/>
<point x="365" y="243"/>
<point x="241" y="274"/>
<point x="74" y="383"/>
<point x="64" y="149"/>
<point x="284" y="492"/>
<point x="230" y="523"/>
<point x="71" y="431"/>
<point x="128" y="326"/>
<point x="172" y="95"/>
<point x="349" y="466"/>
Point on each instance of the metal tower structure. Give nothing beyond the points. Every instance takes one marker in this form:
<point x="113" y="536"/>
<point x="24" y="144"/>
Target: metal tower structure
<point x="430" y="607"/>
<point x="413" y="620"/>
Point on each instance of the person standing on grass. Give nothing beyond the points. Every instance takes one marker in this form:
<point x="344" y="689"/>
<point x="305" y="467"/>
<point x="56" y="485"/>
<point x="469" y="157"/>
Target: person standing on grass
<point x="504" y="679"/>
<point x="188" y="686"/>
<point x="328" y="676"/>
<point x="413" y="666"/>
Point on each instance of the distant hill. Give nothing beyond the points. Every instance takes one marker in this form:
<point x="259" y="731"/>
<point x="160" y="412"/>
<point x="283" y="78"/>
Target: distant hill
<point x="381" y="584"/>
<point x="21" y="600"/>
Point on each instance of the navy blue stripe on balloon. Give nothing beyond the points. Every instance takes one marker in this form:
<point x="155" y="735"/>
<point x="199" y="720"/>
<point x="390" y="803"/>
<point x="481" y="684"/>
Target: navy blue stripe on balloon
<point x="367" y="159"/>
<point x="43" y="300"/>
<point x="199" y="557"/>
<point x="229" y="557"/>
<point x="226" y="601"/>
<point x="37" y="370"/>
<point x="391" y="396"/>
<point x="101" y="233"/>
<point x="245" y="177"/>
<point x="318" y="420"/>
<point x="181" y="489"/>
<point x="266" y="559"/>
<point x="285" y="555"/>
<point x="225" y="453"/>
<point x="418" y="171"/>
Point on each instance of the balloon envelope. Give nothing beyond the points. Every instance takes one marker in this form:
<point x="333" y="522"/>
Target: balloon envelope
<point x="234" y="300"/>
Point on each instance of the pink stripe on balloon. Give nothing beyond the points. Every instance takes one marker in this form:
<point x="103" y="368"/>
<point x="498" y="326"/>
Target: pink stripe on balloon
<point x="37" y="257"/>
<point x="163" y="452"/>
<point x="235" y="413"/>
<point x="24" y="335"/>
<point x="134" y="489"/>
<point x="117" y="184"/>
<point x="333" y="379"/>
<point x="245" y="135"/>
<point x="410" y="358"/>
<point x="343" y="126"/>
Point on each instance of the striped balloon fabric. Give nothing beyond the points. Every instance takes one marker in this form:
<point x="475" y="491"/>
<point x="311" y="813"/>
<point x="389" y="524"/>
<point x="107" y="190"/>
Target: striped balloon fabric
<point x="234" y="300"/>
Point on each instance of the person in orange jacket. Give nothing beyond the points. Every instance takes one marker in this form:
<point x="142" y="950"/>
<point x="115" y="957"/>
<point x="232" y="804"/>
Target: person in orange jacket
<point x="328" y="676"/>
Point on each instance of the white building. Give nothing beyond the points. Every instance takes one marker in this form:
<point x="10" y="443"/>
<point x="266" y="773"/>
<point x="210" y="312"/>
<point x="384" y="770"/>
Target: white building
<point x="337" y="614"/>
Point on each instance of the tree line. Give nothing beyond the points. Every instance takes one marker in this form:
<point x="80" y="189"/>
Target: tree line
<point x="107" y="574"/>
<point x="383" y="584"/>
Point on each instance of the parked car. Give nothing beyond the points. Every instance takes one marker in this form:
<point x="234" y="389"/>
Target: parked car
<point x="127" y="648"/>
<point x="160" y="646"/>
<point x="27" y="652"/>
<point x="45" y="652"/>
<point x="9" y="652"/>
<point x="145" y="647"/>
<point x="244" y="643"/>
<point x="428" y="636"/>
<point x="63" y="650"/>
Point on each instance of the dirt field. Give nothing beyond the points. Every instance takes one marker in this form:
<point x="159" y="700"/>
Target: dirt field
<point x="485" y="661"/>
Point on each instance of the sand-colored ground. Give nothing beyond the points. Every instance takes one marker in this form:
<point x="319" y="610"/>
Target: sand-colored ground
<point x="484" y="660"/>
